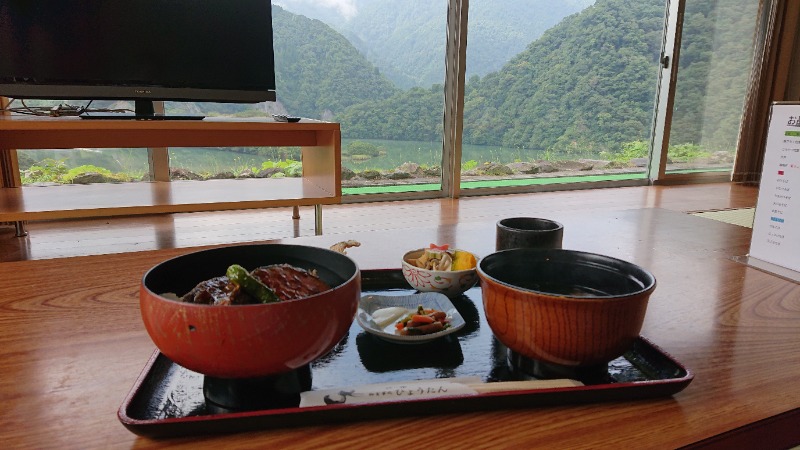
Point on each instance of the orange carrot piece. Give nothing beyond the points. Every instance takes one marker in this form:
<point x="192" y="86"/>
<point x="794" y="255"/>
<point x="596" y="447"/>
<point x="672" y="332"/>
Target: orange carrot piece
<point x="420" y="319"/>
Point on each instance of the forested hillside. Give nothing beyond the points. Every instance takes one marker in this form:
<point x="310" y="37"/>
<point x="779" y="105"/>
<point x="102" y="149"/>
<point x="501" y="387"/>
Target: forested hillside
<point x="406" y="39"/>
<point x="318" y="73"/>
<point x="588" y="82"/>
<point x="586" y="85"/>
<point x="595" y="70"/>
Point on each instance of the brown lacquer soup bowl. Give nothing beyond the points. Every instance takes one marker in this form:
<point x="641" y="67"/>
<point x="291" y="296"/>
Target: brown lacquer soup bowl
<point x="248" y="340"/>
<point x="564" y="307"/>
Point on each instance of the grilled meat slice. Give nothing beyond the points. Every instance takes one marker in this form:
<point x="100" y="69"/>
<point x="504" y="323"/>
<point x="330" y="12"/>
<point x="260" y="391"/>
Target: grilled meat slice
<point x="288" y="283"/>
<point x="218" y="291"/>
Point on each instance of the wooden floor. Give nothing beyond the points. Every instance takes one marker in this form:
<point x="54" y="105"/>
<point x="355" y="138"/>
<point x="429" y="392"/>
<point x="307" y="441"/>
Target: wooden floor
<point x="57" y="239"/>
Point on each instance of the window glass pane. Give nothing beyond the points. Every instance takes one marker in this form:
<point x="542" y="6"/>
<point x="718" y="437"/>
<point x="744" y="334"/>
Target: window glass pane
<point x="80" y="165"/>
<point x="204" y="163"/>
<point x="375" y="68"/>
<point x="573" y="96"/>
<point x="83" y="165"/>
<point x="715" y="63"/>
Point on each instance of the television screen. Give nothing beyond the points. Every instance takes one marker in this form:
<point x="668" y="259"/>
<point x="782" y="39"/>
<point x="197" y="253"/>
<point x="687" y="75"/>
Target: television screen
<point x="179" y="50"/>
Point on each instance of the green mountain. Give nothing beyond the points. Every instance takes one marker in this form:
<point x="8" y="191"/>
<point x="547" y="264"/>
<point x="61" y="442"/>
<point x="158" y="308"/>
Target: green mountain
<point x="587" y="85"/>
<point x="317" y="71"/>
<point x="584" y="86"/>
<point x="588" y="82"/>
<point x="601" y="60"/>
<point x="406" y="40"/>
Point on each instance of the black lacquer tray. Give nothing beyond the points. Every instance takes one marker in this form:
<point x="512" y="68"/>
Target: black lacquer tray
<point x="168" y="400"/>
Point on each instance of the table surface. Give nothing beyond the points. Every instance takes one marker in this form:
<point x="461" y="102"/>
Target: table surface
<point x="73" y="344"/>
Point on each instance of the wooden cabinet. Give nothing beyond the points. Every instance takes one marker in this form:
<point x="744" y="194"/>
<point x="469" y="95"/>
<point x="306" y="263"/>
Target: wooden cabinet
<point x="320" y="143"/>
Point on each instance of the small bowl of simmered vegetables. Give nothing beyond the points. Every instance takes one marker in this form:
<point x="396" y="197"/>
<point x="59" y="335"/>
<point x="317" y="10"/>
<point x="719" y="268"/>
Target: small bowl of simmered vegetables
<point x="439" y="268"/>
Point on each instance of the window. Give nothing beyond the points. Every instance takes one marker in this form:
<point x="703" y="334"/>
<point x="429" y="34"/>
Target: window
<point x="553" y="94"/>
<point x="572" y="98"/>
<point x="716" y="54"/>
<point x="377" y="68"/>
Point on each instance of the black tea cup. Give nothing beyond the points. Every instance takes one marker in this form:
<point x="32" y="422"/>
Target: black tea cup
<point x="528" y="232"/>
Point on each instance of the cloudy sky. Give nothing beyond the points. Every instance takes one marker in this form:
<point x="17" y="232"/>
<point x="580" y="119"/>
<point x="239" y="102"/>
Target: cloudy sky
<point x="346" y="8"/>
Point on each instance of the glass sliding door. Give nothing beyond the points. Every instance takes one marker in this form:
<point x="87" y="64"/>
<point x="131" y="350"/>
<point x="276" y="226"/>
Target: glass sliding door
<point x="716" y="55"/>
<point x="376" y="67"/>
<point x="563" y="93"/>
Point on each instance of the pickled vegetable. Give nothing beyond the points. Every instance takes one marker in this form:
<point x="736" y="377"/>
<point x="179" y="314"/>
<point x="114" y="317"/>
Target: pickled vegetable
<point x="422" y="321"/>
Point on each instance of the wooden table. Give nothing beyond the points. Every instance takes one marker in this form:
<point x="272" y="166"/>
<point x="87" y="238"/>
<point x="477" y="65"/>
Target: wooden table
<point x="72" y="344"/>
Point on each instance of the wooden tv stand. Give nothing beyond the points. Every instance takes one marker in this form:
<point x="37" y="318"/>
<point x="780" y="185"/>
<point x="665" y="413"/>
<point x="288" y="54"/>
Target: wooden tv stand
<point x="320" y="143"/>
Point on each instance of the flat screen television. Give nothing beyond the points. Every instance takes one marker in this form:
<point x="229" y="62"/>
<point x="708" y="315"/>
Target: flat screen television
<point x="139" y="50"/>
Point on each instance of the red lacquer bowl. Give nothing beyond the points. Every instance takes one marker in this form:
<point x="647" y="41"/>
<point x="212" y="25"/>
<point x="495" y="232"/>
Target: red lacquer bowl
<point x="564" y="307"/>
<point x="246" y="341"/>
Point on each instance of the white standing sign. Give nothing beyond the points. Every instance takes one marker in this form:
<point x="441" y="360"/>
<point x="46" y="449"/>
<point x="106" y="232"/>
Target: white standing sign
<point x="776" y="227"/>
